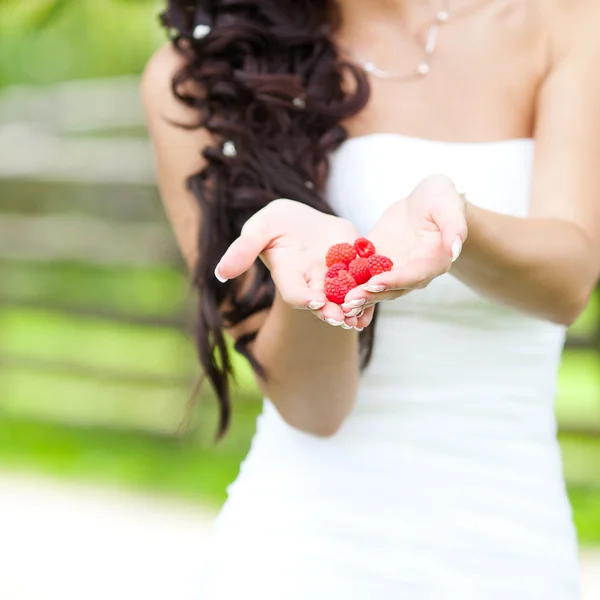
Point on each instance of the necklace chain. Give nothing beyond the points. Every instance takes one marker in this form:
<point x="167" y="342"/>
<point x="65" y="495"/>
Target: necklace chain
<point x="442" y="17"/>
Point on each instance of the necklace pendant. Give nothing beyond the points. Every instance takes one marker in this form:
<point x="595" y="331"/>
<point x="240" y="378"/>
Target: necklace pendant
<point x="423" y="69"/>
<point x="442" y="17"/>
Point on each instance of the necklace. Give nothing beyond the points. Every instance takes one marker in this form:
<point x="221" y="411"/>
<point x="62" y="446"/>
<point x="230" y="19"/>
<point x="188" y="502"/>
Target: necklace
<point x="442" y="17"/>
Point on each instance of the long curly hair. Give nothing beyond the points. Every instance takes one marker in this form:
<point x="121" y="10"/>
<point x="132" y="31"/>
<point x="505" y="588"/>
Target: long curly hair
<point x="273" y="91"/>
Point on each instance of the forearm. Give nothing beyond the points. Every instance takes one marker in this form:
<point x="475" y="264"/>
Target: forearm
<point x="312" y="368"/>
<point x="547" y="268"/>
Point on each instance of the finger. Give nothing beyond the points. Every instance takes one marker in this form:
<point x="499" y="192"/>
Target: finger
<point x="354" y="307"/>
<point x="447" y="212"/>
<point x="366" y="318"/>
<point x="360" y="294"/>
<point x="319" y="314"/>
<point x="453" y="225"/>
<point x="357" y="313"/>
<point x="333" y="315"/>
<point x="414" y="275"/>
<point x="293" y="288"/>
<point x="350" y="323"/>
<point x="453" y="243"/>
<point x="243" y="252"/>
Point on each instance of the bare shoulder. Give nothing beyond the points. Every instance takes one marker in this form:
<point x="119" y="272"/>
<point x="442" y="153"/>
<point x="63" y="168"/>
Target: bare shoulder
<point x="566" y="176"/>
<point x="572" y="25"/>
<point x="157" y="88"/>
<point x="177" y="144"/>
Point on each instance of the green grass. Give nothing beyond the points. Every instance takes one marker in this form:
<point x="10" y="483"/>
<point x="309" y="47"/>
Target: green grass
<point x="95" y="342"/>
<point x="586" y="514"/>
<point x="114" y="375"/>
<point x="588" y="321"/>
<point x="97" y="347"/>
<point x="193" y="468"/>
<point x="84" y="424"/>
<point x="91" y="420"/>
<point x="158" y="291"/>
<point x="578" y="400"/>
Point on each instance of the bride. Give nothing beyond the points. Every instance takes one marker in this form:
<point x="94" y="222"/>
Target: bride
<point x="413" y="455"/>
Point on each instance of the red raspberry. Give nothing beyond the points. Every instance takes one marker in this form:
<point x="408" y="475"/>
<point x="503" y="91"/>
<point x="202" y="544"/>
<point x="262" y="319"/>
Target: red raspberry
<point x="334" y="270"/>
<point x="347" y="278"/>
<point x="336" y="289"/>
<point x="359" y="269"/>
<point x="364" y="247"/>
<point x="379" y="264"/>
<point x="340" y="253"/>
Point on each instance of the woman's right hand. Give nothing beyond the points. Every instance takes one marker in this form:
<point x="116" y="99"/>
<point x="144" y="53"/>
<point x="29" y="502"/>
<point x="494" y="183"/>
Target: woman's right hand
<point x="292" y="240"/>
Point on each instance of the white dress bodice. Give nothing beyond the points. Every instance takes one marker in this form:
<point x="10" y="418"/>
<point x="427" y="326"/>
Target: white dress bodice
<point x="445" y="481"/>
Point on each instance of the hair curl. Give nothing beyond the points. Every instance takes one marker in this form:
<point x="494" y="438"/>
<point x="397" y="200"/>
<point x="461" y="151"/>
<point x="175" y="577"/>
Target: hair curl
<point x="258" y="58"/>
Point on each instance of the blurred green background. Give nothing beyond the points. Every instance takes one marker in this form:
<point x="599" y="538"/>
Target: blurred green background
<point x="95" y="363"/>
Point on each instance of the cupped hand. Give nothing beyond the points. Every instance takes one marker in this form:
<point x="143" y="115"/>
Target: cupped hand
<point x="423" y="235"/>
<point x="292" y="240"/>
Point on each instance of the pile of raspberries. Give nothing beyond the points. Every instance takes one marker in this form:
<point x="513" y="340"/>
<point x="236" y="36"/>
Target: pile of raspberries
<point x="351" y="265"/>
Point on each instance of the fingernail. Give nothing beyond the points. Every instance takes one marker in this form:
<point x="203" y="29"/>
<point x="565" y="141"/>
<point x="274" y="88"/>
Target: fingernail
<point x="315" y="305"/>
<point x="333" y="322"/>
<point x="220" y="277"/>
<point x="355" y="303"/>
<point x="344" y="326"/>
<point x="359" y="329"/>
<point x="354" y="312"/>
<point x="456" y="248"/>
<point x="375" y="289"/>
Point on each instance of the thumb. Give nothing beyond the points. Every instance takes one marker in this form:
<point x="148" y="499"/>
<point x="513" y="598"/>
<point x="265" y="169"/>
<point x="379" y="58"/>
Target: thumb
<point x="453" y="225"/>
<point x="243" y="252"/>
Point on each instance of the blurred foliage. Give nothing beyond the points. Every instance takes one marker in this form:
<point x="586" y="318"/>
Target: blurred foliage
<point x="188" y="467"/>
<point x="43" y="41"/>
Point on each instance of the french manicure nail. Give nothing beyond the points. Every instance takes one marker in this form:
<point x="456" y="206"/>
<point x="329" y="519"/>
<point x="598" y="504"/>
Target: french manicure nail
<point x="344" y="326"/>
<point x="375" y="289"/>
<point x="355" y="303"/>
<point x="333" y="322"/>
<point x="354" y="312"/>
<point x="220" y="277"/>
<point x="359" y="329"/>
<point x="456" y="248"/>
<point x="315" y="305"/>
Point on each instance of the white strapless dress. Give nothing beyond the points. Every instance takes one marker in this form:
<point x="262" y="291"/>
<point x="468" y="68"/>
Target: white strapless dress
<point x="445" y="482"/>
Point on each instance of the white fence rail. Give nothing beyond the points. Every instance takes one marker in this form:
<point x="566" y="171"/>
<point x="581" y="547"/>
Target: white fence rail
<point x="86" y="131"/>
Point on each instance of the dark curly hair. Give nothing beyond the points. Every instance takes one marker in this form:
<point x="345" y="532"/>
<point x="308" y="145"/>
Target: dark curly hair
<point x="268" y="78"/>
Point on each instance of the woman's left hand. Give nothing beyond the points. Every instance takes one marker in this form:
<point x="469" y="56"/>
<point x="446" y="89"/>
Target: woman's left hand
<point x="423" y="235"/>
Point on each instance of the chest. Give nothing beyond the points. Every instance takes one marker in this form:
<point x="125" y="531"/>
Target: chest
<point x="484" y="75"/>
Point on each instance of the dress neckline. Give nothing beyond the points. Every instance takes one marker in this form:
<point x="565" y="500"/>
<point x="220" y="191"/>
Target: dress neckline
<point x="351" y="141"/>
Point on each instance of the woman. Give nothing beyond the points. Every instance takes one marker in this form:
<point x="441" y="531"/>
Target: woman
<point x="293" y="125"/>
